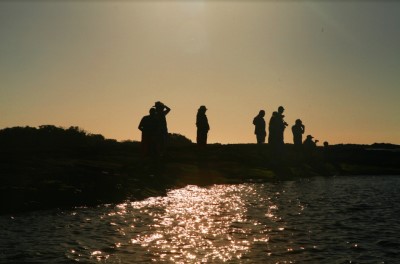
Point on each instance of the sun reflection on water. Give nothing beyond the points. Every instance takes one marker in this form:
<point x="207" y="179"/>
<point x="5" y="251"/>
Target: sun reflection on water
<point x="278" y="222"/>
<point x="219" y="223"/>
<point x="196" y="224"/>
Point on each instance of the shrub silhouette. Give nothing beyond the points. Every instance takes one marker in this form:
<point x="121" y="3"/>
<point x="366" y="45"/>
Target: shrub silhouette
<point x="48" y="137"/>
<point x="178" y="140"/>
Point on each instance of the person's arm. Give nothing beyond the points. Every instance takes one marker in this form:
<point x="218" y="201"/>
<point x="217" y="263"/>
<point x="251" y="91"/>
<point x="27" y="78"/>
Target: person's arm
<point x="166" y="110"/>
<point x="140" y="127"/>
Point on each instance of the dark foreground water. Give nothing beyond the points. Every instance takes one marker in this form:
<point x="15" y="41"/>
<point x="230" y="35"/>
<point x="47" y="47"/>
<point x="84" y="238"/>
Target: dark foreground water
<point x="317" y="220"/>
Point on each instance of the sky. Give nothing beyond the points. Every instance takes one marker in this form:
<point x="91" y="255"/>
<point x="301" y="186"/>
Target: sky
<point x="101" y="65"/>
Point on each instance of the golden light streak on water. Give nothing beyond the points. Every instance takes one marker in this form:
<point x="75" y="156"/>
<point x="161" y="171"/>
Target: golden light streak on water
<point x="197" y="225"/>
<point x="307" y="221"/>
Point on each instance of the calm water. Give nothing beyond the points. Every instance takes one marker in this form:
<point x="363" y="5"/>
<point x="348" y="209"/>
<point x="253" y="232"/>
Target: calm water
<point x="317" y="220"/>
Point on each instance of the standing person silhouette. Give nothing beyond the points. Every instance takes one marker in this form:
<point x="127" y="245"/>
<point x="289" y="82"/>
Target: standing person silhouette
<point x="276" y="129"/>
<point x="298" y="130"/>
<point x="259" y="129"/>
<point x="281" y="125"/>
<point x="149" y="126"/>
<point x="161" y="111"/>
<point x="273" y="130"/>
<point x="202" y="126"/>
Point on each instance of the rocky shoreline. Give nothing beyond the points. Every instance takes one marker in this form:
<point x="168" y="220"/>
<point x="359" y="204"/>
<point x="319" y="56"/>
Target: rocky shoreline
<point x="35" y="179"/>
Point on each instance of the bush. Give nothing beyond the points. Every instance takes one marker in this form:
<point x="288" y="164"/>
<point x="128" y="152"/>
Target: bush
<point x="178" y="140"/>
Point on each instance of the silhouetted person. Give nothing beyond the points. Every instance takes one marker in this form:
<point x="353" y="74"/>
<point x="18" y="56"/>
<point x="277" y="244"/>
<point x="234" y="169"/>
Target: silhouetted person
<point x="149" y="125"/>
<point x="202" y="126"/>
<point x="276" y="129"/>
<point x="298" y="130"/>
<point x="310" y="145"/>
<point x="259" y="129"/>
<point x="281" y="125"/>
<point x="309" y="142"/>
<point x="273" y="130"/>
<point x="161" y="111"/>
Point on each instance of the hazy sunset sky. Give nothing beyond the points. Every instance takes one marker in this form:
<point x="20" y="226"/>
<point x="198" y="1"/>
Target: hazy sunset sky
<point x="101" y="65"/>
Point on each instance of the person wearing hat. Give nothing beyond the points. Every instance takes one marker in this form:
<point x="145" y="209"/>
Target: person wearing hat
<point x="202" y="126"/>
<point x="309" y="145"/>
<point x="309" y="139"/>
<point x="161" y="111"/>
<point x="298" y="130"/>
<point x="259" y="129"/>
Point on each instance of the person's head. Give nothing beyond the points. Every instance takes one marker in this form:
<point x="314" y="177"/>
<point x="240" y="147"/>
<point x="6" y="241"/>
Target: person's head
<point x="261" y="113"/>
<point x="309" y="137"/>
<point x="158" y="105"/>
<point x="275" y="113"/>
<point x="202" y="109"/>
<point x="299" y="122"/>
<point x="152" y="111"/>
<point x="281" y="109"/>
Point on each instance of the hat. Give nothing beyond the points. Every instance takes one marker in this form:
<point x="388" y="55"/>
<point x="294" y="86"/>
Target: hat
<point x="281" y="107"/>
<point x="158" y="103"/>
<point x="203" y="107"/>
<point x="309" y="136"/>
